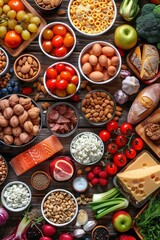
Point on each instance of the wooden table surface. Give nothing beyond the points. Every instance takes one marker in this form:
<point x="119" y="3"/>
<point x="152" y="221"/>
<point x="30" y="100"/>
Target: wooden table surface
<point x="9" y="152"/>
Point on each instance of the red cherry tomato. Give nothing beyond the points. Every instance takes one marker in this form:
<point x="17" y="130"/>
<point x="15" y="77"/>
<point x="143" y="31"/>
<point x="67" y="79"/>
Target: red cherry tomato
<point x="121" y="141"/>
<point x="12" y="39"/>
<point x="51" y="72"/>
<point x="16" y="5"/>
<point x="66" y="75"/>
<point x="104" y="135"/>
<point x="137" y="143"/>
<point x="120" y="159"/>
<point x="70" y="69"/>
<point x="59" y="29"/>
<point x="74" y="79"/>
<point x="62" y="84"/>
<point x="51" y="83"/>
<point x="111" y="168"/>
<point x="126" y="129"/>
<point x="112" y="148"/>
<point x="47" y="46"/>
<point x="130" y="153"/>
<point x="112" y="125"/>
<point x="60" y="67"/>
<point x="68" y="40"/>
<point x="61" y="51"/>
<point x="57" y="41"/>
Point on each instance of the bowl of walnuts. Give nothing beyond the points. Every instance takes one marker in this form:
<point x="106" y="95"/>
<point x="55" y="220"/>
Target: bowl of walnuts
<point x="20" y="120"/>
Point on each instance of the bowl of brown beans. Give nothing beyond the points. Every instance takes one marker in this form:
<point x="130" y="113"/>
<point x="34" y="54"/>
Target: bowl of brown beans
<point x="98" y="107"/>
<point x="4" y="62"/>
<point x="3" y="169"/>
<point x="59" y="207"/>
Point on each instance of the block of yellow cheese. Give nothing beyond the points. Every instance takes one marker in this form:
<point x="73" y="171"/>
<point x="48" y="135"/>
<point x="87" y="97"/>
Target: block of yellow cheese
<point x="141" y="182"/>
<point x="143" y="160"/>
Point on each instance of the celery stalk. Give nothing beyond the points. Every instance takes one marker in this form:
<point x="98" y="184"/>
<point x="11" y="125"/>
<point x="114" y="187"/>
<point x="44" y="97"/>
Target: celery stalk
<point x="105" y="195"/>
<point x="111" y="202"/>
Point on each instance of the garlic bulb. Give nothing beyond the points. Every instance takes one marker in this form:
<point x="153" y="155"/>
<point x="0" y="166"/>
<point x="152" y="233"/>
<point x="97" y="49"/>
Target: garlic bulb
<point x="89" y="225"/>
<point x="82" y="218"/>
<point x="130" y="85"/>
<point x="78" y="233"/>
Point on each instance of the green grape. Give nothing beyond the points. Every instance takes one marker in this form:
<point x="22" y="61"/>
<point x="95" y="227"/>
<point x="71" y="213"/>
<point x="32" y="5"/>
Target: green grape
<point x="1" y="3"/>
<point x="6" y="8"/>
<point x="26" y="18"/>
<point x="11" y="14"/>
<point x="4" y="21"/>
<point x="18" y="28"/>
<point x="30" y="14"/>
<point x="25" y="35"/>
<point x="35" y="20"/>
<point x="1" y="10"/>
<point x="20" y="15"/>
<point x="32" y="27"/>
<point x="12" y="23"/>
<point x="3" y="31"/>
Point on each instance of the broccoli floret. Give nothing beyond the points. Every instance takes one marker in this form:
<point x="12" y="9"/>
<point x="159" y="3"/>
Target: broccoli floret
<point x="148" y="24"/>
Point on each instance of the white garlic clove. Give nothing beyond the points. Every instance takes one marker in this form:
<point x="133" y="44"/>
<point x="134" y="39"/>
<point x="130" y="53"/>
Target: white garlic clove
<point x="82" y="218"/>
<point x="78" y="233"/>
<point x="89" y="225"/>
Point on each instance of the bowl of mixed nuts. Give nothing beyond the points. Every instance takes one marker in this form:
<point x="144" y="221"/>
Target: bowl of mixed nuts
<point x="20" y="120"/>
<point x="47" y="6"/>
<point x="4" y="62"/>
<point x="59" y="207"/>
<point x="27" y="67"/>
<point x="4" y="169"/>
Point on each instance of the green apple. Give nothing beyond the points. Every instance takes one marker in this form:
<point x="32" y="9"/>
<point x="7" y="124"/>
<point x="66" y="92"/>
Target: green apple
<point x="122" y="221"/>
<point x="125" y="37"/>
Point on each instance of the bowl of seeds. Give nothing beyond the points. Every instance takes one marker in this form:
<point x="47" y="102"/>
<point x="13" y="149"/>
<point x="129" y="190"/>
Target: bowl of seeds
<point x="40" y="180"/>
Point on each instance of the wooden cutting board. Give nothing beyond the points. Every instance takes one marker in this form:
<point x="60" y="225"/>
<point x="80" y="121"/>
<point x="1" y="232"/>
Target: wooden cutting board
<point x="140" y="129"/>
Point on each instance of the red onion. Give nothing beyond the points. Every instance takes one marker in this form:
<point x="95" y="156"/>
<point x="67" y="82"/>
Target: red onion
<point x="3" y="216"/>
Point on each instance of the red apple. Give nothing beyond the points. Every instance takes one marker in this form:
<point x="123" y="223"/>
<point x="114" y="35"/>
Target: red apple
<point x="125" y="37"/>
<point x="122" y="221"/>
<point x="66" y="236"/>
<point x="125" y="237"/>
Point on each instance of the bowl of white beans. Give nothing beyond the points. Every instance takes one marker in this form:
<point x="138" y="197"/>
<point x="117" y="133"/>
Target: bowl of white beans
<point x="16" y="196"/>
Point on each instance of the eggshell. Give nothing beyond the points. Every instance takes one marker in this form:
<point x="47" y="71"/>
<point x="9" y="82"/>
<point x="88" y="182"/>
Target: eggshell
<point x="103" y="61"/>
<point x="98" y="67"/>
<point x="90" y="51"/>
<point x="109" y="62"/>
<point x="97" y="49"/>
<point x="96" y="76"/>
<point x="115" y="61"/>
<point x="93" y="60"/>
<point x="108" y="51"/>
<point x="86" y="68"/>
<point x="106" y="75"/>
<point x="85" y="58"/>
<point x="111" y="70"/>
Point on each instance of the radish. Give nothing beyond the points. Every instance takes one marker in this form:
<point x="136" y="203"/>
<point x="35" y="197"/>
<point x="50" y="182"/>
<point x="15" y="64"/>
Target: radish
<point x="48" y="230"/>
<point x="65" y="236"/>
<point x="45" y="238"/>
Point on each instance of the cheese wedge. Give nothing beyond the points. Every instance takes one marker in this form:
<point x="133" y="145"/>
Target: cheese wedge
<point x="141" y="182"/>
<point x="142" y="161"/>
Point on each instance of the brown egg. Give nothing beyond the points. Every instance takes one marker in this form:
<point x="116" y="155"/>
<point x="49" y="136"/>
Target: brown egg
<point x="96" y="76"/>
<point x="85" y="58"/>
<point x="108" y="51"/>
<point x="111" y="70"/>
<point x="97" y="49"/>
<point x="115" y="61"/>
<point x="109" y="62"/>
<point x="103" y="61"/>
<point x="93" y="60"/>
<point x="106" y="75"/>
<point x="86" y="68"/>
<point x="98" y="67"/>
<point x="90" y="51"/>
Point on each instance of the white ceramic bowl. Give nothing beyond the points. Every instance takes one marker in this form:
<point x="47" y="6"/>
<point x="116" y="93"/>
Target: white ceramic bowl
<point x="50" y="26"/>
<point x="59" y="205"/>
<point x="7" y="62"/>
<point x="86" y="49"/>
<point x="88" y="13"/>
<point x="67" y="96"/>
<point x="87" y="148"/>
<point x="6" y="204"/>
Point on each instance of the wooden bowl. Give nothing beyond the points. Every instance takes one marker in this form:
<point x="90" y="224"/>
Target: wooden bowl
<point x="97" y="228"/>
<point x="47" y="8"/>
<point x="40" y="180"/>
<point x="31" y="61"/>
<point x="16" y="51"/>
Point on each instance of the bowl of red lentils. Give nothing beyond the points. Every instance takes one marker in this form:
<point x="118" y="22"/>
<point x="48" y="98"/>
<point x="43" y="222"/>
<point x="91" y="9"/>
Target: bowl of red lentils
<point x="3" y="169"/>
<point x="4" y="62"/>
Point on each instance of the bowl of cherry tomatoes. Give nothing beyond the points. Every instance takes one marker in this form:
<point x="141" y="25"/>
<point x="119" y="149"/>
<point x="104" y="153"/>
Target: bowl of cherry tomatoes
<point x="57" y="40"/>
<point x="61" y="80"/>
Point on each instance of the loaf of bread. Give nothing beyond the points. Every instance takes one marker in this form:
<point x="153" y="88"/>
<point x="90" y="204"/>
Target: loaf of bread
<point x="146" y="60"/>
<point x="145" y="102"/>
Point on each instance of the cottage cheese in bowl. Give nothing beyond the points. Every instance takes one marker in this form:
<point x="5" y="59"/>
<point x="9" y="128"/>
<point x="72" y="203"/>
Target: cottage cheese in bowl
<point x="87" y="148"/>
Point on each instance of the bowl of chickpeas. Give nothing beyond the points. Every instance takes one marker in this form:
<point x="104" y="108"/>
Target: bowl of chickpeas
<point x="92" y="18"/>
<point x="99" y="62"/>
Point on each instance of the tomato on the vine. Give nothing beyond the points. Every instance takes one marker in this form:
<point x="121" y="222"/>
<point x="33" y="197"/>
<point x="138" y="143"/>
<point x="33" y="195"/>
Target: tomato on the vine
<point x="137" y="143"/>
<point x="104" y="135"/>
<point x="57" y="41"/>
<point x="51" y="72"/>
<point x="66" y="75"/>
<point x="112" y="125"/>
<point x="111" y="168"/>
<point x="12" y="39"/>
<point x="59" y="29"/>
<point x="61" y="51"/>
<point x="51" y="83"/>
<point x="130" y="153"/>
<point x="47" y="46"/>
<point x="16" y="5"/>
<point x="112" y="148"/>
<point x="62" y="84"/>
<point x="121" y="141"/>
<point x="60" y="67"/>
<point x="120" y="159"/>
<point x="126" y="129"/>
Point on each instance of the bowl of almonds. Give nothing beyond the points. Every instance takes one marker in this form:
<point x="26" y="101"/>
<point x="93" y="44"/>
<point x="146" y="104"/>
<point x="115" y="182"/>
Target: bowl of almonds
<point x="47" y="6"/>
<point x="27" y="67"/>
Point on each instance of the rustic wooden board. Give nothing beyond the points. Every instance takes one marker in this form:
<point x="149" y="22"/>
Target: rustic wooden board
<point x="140" y="129"/>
